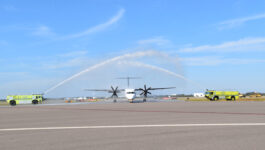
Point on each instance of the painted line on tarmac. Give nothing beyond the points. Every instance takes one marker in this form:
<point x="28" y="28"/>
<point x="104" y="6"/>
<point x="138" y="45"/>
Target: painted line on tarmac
<point x="133" y="126"/>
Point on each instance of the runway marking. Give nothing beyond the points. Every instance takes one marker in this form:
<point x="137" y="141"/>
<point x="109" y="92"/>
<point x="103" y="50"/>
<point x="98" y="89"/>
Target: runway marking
<point x="133" y="126"/>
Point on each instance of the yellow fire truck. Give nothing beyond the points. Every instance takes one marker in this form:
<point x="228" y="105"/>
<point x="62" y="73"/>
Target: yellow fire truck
<point x="216" y="95"/>
<point x="24" y="99"/>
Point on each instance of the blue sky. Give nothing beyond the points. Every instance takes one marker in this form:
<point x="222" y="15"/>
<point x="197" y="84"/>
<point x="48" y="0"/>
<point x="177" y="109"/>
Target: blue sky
<point x="218" y="44"/>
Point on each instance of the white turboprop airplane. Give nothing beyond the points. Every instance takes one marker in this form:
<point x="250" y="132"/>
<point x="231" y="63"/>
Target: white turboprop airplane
<point x="130" y="93"/>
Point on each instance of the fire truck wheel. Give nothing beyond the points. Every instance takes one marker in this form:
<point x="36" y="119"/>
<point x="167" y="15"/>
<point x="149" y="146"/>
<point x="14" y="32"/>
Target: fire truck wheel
<point x="215" y="98"/>
<point x="233" y="98"/>
<point x="34" y="102"/>
<point x="12" y="103"/>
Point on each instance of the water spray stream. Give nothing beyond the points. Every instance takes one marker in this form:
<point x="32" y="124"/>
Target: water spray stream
<point x="126" y="56"/>
<point x="139" y="64"/>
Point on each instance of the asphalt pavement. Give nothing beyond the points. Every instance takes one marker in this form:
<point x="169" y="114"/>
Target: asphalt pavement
<point x="151" y="125"/>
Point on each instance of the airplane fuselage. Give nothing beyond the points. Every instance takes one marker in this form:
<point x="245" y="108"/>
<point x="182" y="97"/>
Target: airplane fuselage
<point x="130" y="94"/>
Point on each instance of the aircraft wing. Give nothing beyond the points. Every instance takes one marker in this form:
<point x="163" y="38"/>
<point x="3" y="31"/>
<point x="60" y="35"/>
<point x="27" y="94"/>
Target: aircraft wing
<point x="105" y="90"/>
<point x="140" y="89"/>
<point x="112" y="90"/>
<point x="162" y="88"/>
<point x="98" y="90"/>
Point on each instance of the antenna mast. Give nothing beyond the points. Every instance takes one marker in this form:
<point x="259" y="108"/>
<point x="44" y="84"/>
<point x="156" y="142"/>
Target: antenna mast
<point x="128" y="79"/>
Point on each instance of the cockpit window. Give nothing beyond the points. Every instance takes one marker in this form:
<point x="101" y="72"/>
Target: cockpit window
<point x="130" y="92"/>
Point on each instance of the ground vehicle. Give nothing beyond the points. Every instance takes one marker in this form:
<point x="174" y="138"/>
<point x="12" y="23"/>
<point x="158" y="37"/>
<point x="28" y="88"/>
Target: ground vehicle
<point x="255" y="95"/>
<point x="24" y="99"/>
<point x="216" y="95"/>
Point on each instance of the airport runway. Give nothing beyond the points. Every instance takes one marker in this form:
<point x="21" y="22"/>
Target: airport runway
<point x="158" y="125"/>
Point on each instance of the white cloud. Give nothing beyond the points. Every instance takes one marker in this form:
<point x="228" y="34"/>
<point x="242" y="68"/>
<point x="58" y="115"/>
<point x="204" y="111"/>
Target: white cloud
<point x="201" y="61"/>
<point x="214" y="61"/>
<point x="236" y="22"/>
<point x="155" y="40"/>
<point x="99" y="27"/>
<point x="43" y="31"/>
<point x="243" y="45"/>
<point x="69" y="63"/>
<point x="13" y="73"/>
<point x="74" y="54"/>
<point x="67" y="60"/>
<point x="60" y="62"/>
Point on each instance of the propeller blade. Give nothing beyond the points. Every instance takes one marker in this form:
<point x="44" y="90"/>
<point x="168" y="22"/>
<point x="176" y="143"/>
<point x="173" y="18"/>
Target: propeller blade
<point x="114" y="95"/>
<point x="145" y="94"/>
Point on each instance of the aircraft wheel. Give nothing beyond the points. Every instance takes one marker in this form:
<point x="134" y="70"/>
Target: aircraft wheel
<point x="114" y="101"/>
<point x="144" y="100"/>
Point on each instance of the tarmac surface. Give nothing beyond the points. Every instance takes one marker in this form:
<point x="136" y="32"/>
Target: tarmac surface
<point x="151" y="125"/>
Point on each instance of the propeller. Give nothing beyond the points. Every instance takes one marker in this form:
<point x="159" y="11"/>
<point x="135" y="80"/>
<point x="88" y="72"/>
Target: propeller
<point x="145" y="91"/>
<point x="114" y="91"/>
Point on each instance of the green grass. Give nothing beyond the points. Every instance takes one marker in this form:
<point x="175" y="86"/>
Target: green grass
<point x="252" y="99"/>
